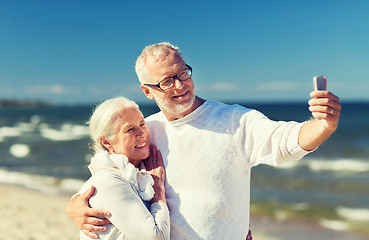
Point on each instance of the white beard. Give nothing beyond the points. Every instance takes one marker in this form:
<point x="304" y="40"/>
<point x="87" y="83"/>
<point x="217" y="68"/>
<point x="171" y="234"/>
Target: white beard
<point x="173" y="108"/>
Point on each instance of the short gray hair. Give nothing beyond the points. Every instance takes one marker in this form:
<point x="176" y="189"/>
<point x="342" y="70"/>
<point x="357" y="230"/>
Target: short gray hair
<point x="104" y="118"/>
<point x="154" y="50"/>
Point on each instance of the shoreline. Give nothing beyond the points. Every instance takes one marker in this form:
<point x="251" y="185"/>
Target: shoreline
<point x="29" y="214"/>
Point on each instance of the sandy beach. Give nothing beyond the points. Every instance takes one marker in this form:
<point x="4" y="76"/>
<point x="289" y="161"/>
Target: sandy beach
<point x="31" y="215"/>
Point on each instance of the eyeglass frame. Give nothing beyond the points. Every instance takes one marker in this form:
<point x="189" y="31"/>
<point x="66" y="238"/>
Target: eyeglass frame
<point x="174" y="77"/>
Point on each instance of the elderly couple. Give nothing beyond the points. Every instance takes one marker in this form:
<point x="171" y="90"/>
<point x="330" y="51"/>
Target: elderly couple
<point x="207" y="148"/>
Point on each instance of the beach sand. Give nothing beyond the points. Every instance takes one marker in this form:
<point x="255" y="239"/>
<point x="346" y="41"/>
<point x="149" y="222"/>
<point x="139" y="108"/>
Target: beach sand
<point x="28" y="214"/>
<point x="31" y="215"/>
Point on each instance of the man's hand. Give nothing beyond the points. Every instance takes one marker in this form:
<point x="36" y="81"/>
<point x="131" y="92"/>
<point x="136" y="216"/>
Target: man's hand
<point x="326" y="107"/>
<point x="326" y="110"/>
<point x="85" y="217"/>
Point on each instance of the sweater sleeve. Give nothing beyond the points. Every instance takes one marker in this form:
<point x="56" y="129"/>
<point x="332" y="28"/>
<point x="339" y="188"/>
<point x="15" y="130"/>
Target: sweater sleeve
<point x="128" y="213"/>
<point x="269" y="142"/>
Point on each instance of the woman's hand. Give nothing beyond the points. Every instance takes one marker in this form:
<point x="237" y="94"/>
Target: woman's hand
<point x="154" y="165"/>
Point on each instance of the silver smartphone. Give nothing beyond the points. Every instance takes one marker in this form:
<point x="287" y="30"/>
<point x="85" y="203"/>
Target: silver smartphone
<point x="320" y="83"/>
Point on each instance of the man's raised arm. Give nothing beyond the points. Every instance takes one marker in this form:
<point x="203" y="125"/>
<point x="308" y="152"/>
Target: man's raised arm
<point x="87" y="218"/>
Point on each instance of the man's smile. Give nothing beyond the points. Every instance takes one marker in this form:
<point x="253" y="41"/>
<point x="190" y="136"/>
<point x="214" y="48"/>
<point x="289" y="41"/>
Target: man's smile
<point x="181" y="95"/>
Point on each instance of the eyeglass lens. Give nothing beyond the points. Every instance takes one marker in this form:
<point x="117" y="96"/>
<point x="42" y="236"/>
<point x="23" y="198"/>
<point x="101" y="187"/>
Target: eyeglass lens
<point x="169" y="82"/>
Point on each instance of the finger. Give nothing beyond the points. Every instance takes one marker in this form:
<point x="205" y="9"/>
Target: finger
<point x="92" y="212"/>
<point x="154" y="156"/>
<point x="318" y="94"/>
<point x="324" y="102"/>
<point x="159" y="158"/>
<point x="334" y="97"/>
<point x="324" y="94"/>
<point x="94" y="228"/>
<point x="87" y="195"/>
<point x="335" y="110"/>
<point x="149" y="160"/>
<point x="325" y="105"/>
<point x="321" y="109"/>
<point x="322" y="116"/>
<point x="90" y="234"/>
<point x="142" y="166"/>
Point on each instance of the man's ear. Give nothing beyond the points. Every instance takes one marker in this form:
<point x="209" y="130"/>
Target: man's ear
<point x="147" y="92"/>
<point x="105" y="142"/>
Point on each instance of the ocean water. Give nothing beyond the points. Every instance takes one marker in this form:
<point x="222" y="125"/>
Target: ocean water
<point x="47" y="149"/>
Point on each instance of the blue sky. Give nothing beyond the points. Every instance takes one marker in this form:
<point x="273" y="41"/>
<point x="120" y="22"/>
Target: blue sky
<point x="77" y="51"/>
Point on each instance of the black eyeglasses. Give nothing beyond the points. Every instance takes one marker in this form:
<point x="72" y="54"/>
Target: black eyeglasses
<point x="167" y="83"/>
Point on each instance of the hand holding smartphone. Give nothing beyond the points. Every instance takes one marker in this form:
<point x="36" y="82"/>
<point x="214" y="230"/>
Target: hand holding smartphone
<point x="320" y="83"/>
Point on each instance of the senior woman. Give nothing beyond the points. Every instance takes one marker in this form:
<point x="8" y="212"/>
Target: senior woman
<point x="134" y="196"/>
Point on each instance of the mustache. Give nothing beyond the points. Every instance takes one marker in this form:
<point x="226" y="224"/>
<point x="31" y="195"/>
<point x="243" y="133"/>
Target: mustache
<point x="180" y="92"/>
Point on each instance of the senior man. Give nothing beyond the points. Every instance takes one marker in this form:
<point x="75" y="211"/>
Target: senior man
<point x="209" y="148"/>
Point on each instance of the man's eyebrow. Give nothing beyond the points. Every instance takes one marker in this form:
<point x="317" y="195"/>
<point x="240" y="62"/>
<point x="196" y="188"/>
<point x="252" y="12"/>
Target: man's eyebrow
<point x="172" y="75"/>
<point x="166" y="76"/>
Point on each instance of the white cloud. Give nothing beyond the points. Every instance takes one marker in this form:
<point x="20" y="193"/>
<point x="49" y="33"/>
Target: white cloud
<point x="73" y="93"/>
<point x="6" y="91"/>
<point x="45" y="89"/>
<point x="278" y="86"/>
<point x="224" y="86"/>
<point x="112" y="90"/>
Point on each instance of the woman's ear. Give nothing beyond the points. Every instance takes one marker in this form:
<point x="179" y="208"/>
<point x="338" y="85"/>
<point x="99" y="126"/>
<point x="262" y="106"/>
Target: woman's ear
<point x="147" y="92"/>
<point x="105" y="142"/>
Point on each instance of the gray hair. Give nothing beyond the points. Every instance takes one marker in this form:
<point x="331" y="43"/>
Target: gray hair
<point x="104" y="118"/>
<point x="154" y="50"/>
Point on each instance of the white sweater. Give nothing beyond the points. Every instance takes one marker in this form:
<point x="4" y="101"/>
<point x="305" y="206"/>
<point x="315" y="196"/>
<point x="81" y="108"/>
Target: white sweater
<point x="208" y="156"/>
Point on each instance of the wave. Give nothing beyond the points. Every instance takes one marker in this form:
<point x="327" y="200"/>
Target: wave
<point x="338" y="218"/>
<point x="343" y="165"/>
<point x="60" y="132"/>
<point x="339" y="165"/>
<point x="19" y="128"/>
<point x="6" y="132"/>
<point x="19" y="150"/>
<point x="350" y="219"/>
<point x="67" y="132"/>
<point x="45" y="184"/>
<point x="354" y="214"/>
<point x="336" y="225"/>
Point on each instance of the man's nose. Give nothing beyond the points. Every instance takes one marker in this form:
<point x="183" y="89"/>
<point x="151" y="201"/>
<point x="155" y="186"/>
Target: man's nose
<point x="178" y="83"/>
